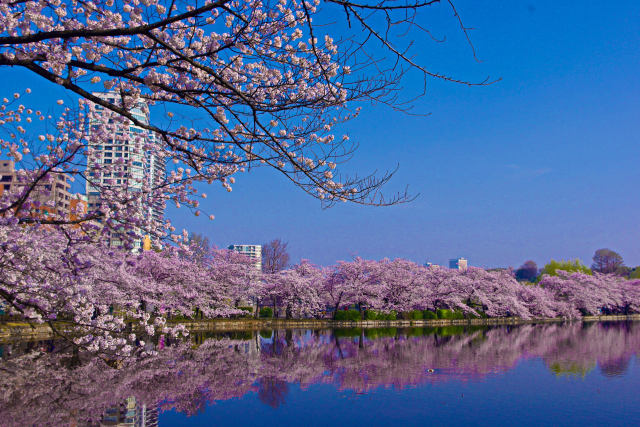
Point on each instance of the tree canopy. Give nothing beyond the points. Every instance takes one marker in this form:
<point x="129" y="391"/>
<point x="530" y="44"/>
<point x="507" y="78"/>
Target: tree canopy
<point x="552" y="268"/>
<point x="527" y="271"/>
<point x="607" y="261"/>
<point x="274" y="256"/>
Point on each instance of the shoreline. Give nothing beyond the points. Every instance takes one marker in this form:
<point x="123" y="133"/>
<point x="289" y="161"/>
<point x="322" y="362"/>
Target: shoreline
<point x="20" y="331"/>
<point x="258" y="324"/>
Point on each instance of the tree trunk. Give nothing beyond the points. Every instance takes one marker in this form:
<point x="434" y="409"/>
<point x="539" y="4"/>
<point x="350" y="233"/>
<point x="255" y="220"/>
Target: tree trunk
<point x="338" y="345"/>
<point x="288" y="313"/>
<point x="337" y="307"/>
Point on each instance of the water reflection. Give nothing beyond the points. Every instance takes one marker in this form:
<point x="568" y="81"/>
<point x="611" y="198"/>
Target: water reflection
<point x="130" y="413"/>
<point x="48" y="383"/>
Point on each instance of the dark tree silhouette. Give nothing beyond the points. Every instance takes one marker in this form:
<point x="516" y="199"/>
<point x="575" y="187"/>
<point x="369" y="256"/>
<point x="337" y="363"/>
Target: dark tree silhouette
<point x="199" y="246"/>
<point x="272" y="391"/>
<point x="606" y="261"/>
<point x="274" y="256"/>
<point x="527" y="271"/>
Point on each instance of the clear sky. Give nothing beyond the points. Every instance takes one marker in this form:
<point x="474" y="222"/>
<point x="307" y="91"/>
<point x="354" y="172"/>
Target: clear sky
<point x="543" y="164"/>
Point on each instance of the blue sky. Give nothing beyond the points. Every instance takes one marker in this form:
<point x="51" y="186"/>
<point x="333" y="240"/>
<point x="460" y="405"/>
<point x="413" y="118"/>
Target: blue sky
<point x="543" y="164"/>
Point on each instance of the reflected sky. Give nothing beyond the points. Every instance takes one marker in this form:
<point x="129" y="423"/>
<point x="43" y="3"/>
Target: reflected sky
<point x="551" y="374"/>
<point x="526" y="395"/>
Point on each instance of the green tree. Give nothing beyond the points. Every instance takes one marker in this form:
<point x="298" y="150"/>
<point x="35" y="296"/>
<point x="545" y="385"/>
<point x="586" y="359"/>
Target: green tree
<point x="635" y="273"/>
<point x="570" y="266"/>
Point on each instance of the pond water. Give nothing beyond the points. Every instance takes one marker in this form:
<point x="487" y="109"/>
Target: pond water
<point x="547" y="374"/>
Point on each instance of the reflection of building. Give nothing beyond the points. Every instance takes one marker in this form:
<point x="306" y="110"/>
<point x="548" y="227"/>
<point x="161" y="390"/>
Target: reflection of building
<point x="130" y="414"/>
<point x="254" y="252"/>
<point x="458" y="264"/>
<point x="51" y="195"/>
<point x="124" y="160"/>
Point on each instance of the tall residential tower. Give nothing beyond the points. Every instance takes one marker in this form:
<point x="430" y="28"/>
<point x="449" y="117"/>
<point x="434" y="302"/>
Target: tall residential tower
<point x="129" y="148"/>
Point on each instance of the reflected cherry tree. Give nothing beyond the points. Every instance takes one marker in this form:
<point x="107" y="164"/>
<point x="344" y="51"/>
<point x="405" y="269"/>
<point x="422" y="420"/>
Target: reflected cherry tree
<point x="51" y="383"/>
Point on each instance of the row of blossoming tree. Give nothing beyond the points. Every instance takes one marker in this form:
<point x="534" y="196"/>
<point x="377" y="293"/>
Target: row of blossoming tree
<point x="396" y="286"/>
<point x="402" y="286"/>
<point x="102" y="292"/>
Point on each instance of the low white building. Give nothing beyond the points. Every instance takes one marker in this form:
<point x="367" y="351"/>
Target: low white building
<point x="254" y="252"/>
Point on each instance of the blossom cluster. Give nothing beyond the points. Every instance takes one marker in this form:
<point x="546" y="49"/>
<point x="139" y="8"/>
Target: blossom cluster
<point x="243" y="83"/>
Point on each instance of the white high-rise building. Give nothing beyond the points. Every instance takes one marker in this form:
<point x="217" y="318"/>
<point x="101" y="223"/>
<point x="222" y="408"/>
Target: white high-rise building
<point x="140" y="167"/>
<point x="458" y="264"/>
<point x="254" y="252"/>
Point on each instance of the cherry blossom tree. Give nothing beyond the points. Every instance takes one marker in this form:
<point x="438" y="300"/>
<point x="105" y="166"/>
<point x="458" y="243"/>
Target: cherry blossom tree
<point x="272" y="81"/>
<point x="360" y="284"/>
<point x="403" y="285"/>
<point x="214" y="88"/>
<point x="594" y="294"/>
<point x="46" y="279"/>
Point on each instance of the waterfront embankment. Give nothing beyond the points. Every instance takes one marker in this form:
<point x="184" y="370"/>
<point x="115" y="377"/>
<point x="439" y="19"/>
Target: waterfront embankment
<point x="19" y="331"/>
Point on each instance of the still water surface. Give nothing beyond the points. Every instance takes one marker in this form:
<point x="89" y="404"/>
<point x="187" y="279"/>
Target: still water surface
<point x="551" y="374"/>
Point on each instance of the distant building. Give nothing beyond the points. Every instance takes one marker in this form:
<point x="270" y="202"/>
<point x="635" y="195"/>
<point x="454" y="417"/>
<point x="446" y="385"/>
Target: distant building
<point x="458" y="264"/>
<point x="7" y="172"/>
<point x="52" y="195"/>
<point x="254" y="252"/>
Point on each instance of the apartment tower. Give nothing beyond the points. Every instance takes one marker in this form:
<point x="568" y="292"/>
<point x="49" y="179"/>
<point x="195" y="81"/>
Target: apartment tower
<point x="139" y="166"/>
